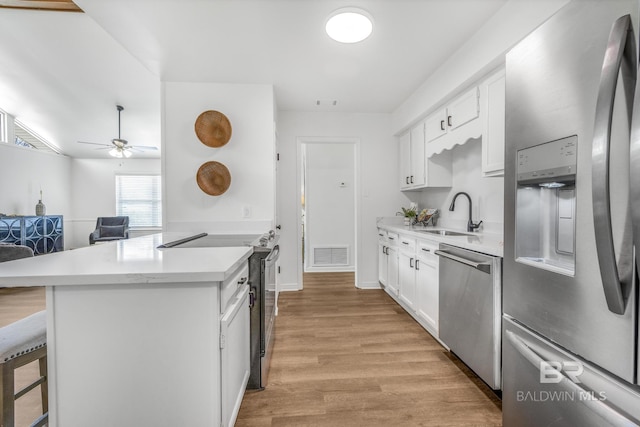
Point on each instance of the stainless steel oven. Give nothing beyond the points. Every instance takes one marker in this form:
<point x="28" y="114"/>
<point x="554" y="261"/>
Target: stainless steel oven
<point x="268" y="269"/>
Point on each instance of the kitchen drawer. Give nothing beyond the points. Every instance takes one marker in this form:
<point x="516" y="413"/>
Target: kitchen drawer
<point x="231" y="285"/>
<point x="426" y="251"/>
<point x="407" y="244"/>
<point x="392" y="238"/>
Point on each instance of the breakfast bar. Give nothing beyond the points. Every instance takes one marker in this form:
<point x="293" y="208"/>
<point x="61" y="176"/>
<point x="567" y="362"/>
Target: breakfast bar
<point x="138" y="335"/>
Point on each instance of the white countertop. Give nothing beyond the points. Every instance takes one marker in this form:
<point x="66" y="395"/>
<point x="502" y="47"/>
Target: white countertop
<point x="134" y="260"/>
<point x="488" y="243"/>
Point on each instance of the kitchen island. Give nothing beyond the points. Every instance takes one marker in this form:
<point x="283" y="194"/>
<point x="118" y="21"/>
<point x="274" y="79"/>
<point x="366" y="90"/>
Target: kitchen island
<point x="141" y="336"/>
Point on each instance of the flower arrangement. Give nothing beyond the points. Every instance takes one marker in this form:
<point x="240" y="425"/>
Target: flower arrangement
<point x="409" y="213"/>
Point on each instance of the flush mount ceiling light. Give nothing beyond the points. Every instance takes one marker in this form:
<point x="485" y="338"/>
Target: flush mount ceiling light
<point x="349" y="25"/>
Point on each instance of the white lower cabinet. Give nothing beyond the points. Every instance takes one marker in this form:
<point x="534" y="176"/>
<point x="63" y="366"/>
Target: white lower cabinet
<point x="408" y="271"/>
<point x="388" y="262"/>
<point x="392" y="277"/>
<point x="383" y="265"/>
<point x="427" y="285"/>
<point x="234" y="355"/>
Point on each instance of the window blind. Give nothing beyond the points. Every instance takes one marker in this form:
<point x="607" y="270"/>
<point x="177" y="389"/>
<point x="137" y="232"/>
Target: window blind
<point x="140" y="198"/>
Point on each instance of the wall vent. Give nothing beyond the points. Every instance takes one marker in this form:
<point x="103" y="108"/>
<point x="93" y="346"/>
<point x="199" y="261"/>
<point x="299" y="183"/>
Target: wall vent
<point x="324" y="256"/>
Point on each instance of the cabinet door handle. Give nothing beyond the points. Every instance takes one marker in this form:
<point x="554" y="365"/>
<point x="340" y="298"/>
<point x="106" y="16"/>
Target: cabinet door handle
<point x="412" y="179"/>
<point x="242" y="280"/>
<point x="441" y="124"/>
<point x="411" y="262"/>
<point x="406" y="180"/>
<point x="449" y="121"/>
<point x="385" y="250"/>
<point x="426" y="250"/>
<point x="417" y="264"/>
<point x="405" y="243"/>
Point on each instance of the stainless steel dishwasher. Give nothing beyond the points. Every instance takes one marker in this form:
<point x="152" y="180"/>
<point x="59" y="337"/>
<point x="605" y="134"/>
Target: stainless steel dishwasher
<point x="471" y="309"/>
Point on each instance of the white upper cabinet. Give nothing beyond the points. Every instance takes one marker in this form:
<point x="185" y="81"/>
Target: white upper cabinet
<point x="492" y="93"/>
<point x="454" y="124"/>
<point x="412" y="159"/>
<point x="436" y="125"/>
<point x="418" y="177"/>
<point x="405" y="160"/>
<point x="416" y="170"/>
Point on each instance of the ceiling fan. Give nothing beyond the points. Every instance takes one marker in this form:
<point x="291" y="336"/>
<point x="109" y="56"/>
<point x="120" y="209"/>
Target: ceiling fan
<point x="120" y="147"/>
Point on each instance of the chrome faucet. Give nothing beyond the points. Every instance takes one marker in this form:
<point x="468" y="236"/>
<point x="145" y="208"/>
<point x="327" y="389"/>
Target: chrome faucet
<point x="470" y="225"/>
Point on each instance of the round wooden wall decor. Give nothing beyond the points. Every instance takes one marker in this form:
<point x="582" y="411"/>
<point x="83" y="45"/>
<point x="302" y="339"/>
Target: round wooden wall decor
<point x="213" y="128"/>
<point x="213" y="178"/>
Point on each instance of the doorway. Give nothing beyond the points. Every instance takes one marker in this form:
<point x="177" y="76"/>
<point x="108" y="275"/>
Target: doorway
<point x="328" y="205"/>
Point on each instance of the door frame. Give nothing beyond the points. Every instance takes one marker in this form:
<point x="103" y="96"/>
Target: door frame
<point x="301" y="141"/>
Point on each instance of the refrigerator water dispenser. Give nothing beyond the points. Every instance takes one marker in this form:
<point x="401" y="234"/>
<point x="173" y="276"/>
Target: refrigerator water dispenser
<point x="546" y="206"/>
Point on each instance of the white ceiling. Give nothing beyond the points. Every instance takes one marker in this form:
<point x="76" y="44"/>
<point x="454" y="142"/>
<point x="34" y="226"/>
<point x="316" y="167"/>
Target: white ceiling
<point x="63" y="73"/>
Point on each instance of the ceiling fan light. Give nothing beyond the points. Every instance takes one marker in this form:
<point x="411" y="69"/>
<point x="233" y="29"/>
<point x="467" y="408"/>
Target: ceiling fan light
<point x="115" y="152"/>
<point x="349" y="25"/>
<point x="127" y="153"/>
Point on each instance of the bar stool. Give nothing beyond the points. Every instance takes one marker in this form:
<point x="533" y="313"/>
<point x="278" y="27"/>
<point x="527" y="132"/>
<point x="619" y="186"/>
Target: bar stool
<point x="23" y="342"/>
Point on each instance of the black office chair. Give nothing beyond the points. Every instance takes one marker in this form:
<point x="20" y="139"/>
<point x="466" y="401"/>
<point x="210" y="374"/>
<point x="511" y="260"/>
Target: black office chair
<point x="110" y="228"/>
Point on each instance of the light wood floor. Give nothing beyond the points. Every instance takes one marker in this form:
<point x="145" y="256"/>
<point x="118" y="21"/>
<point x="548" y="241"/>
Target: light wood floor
<point x="16" y="303"/>
<point x="349" y="357"/>
<point x="342" y="357"/>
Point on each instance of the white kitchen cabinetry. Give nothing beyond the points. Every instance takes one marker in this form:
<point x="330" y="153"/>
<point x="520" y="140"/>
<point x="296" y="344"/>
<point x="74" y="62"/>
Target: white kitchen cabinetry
<point x="427" y="285"/>
<point x="388" y="262"/>
<point x="454" y="124"/>
<point x="407" y="271"/>
<point x="411" y="268"/>
<point x="383" y="265"/>
<point x="416" y="170"/>
<point x="493" y="101"/>
<point x="412" y="159"/>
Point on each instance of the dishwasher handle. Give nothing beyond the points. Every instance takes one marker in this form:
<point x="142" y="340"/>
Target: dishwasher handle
<point x="485" y="267"/>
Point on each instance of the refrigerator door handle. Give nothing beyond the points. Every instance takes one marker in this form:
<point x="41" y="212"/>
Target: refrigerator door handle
<point x="597" y="406"/>
<point x="634" y="169"/>
<point x="620" y="46"/>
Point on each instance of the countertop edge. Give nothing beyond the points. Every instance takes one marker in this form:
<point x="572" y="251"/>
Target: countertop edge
<point x="495" y="247"/>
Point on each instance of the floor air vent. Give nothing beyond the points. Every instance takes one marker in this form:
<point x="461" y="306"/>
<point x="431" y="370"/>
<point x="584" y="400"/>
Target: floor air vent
<point x="324" y="256"/>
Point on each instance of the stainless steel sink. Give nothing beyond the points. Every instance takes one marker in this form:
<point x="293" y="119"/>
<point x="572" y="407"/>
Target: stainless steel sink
<point x="445" y="232"/>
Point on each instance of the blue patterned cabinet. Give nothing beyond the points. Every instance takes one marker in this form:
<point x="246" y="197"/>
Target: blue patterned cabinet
<point x="43" y="234"/>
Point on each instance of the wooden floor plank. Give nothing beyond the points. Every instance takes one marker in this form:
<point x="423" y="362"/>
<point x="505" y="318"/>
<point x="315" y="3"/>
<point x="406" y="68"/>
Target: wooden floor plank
<point x="342" y="357"/>
<point x="350" y="357"/>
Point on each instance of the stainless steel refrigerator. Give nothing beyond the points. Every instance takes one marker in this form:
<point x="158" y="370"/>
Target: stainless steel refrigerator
<point x="572" y="193"/>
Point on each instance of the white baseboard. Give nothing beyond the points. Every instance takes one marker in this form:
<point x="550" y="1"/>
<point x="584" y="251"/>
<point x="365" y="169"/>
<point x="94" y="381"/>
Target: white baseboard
<point x="288" y="287"/>
<point x="369" y="285"/>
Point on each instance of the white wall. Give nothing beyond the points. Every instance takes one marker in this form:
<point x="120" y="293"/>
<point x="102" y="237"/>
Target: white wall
<point x="93" y="187"/>
<point x="378" y="193"/>
<point x="483" y="52"/>
<point x="249" y="156"/>
<point x="487" y="194"/>
<point x="330" y="200"/>
<point x="24" y="172"/>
